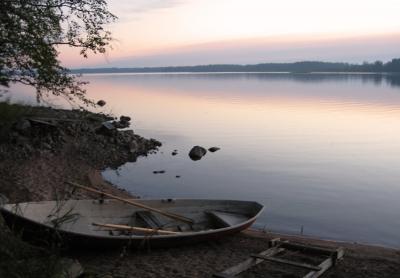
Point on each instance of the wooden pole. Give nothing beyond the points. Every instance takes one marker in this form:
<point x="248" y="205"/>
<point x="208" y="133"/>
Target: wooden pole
<point x="136" y="204"/>
<point x="134" y="229"/>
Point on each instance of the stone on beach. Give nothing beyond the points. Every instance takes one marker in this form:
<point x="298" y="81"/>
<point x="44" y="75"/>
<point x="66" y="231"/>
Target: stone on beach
<point x="132" y="146"/>
<point x="106" y="128"/>
<point x="121" y="124"/>
<point x="197" y="152"/>
<point x="23" y="126"/>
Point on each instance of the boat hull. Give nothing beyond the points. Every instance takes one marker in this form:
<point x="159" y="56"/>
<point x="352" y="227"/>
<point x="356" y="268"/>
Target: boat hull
<point x="44" y="234"/>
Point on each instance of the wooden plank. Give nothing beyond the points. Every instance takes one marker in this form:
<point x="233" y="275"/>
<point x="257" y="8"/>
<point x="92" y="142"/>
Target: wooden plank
<point x="222" y="275"/>
<point x="283" y="261"/>
<point x="235" y="270"/>
<point x="325" y="265"/>
<point x="149" y="219"/>
<point x="227" y="219"/>
<point x="42" y="122"/>
<point x="337" y="255"/>
<point x="136" y="204"/>
<point x="279" y="246"/>
<point x="307" y="248"/>
<point x="274" y="242"/>
<point x="135" y="229"/>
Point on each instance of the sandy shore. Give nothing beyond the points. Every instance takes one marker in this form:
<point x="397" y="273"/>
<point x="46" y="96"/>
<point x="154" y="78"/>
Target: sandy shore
<point x="40" y="173"/>
<point x="202" y="260"/>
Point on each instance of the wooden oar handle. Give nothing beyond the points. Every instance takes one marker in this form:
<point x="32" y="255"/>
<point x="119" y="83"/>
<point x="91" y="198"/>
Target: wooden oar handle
<point x="162" y="212"/>
<point x="134" y="229"/>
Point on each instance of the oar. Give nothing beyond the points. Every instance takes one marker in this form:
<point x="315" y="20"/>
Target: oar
<point x="130" y="202"/>
<point x="134" y="229"/>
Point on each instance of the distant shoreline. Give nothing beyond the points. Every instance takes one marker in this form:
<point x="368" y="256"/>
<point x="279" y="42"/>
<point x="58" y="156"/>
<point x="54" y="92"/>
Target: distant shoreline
<point x="236" y="72"/>
<point x="298" y="67"/>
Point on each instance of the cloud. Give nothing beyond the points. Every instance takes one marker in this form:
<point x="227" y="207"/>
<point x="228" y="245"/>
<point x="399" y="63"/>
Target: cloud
<point x="356" y="49"/>
<point x="150" y="5"/>
<point x="128" y="8"/>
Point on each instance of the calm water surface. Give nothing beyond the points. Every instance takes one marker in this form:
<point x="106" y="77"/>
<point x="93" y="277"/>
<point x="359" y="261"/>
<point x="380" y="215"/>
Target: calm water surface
<point x="320" y="151"/>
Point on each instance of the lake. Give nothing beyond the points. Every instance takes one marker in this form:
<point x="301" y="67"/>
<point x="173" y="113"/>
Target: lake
<point x="320" y="151"/>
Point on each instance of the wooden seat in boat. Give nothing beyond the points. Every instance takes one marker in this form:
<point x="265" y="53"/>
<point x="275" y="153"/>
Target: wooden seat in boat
<point x="149" y="219"/>
<point x="226" y="219"/>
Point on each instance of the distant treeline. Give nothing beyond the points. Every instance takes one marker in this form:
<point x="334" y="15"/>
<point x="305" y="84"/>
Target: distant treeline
<point x="298" y="67"/>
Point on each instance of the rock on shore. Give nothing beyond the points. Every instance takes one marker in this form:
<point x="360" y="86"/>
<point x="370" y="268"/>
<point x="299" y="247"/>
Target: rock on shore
<point x="93" y="134"/>
<point x="42" y="149"/>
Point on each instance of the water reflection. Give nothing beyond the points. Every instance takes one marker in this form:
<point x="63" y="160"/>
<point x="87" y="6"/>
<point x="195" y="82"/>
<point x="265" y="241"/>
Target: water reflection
<point x="377" y="79"/>
<point x="191" y="81"/>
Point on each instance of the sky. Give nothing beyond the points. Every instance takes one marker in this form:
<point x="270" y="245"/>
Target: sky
<point x="193" y="32"/>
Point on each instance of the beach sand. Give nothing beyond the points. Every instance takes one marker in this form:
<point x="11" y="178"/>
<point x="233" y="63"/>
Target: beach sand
<point x="204" y="259"/>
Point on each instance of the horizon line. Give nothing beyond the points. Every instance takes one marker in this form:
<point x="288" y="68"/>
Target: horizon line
<point x="238" y="64"/>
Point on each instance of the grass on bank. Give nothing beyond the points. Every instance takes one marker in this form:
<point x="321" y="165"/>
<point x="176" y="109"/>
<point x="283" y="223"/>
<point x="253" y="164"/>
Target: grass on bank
<point x="20" y="260"/>
<point x="11" y="113"/>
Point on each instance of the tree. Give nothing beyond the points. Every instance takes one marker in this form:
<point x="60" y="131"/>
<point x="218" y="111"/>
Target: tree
<point x="393" y="65"/>
<point x="31" y="32"/>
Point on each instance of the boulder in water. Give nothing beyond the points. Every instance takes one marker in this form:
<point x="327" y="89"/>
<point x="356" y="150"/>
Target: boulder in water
<point x="125" y="119"/>
<point x="101" y="103"/>
<point x="197" y="152"/>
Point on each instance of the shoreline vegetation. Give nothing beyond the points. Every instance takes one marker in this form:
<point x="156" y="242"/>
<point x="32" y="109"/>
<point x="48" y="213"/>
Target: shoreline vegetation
<point x="41" y="148"/>
<point x="392" y="66"/>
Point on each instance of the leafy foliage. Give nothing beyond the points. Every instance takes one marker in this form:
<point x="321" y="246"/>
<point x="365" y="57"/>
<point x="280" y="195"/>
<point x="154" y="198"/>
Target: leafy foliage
<point x="31" y="32"/>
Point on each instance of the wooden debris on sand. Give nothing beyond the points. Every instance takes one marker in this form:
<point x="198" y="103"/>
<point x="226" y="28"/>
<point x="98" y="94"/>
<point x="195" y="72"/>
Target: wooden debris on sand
<point x="278" y="247"/>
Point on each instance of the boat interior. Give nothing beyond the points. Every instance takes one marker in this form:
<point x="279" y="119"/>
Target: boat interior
<point x="114" y="218"/>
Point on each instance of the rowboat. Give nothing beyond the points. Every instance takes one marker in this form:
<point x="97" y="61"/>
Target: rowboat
<point x="108" y="223"/>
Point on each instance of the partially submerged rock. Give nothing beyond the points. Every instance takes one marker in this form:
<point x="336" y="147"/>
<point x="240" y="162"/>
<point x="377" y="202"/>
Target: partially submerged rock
<point x="159" y="172"/>
<point x="121" y="124"/>
<point x="214" y="149"/>
<point x="197" y="152"/>
<point x="101" y="103"/>
<point x="124" y="122"/>
<point x="125" y="119"/>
